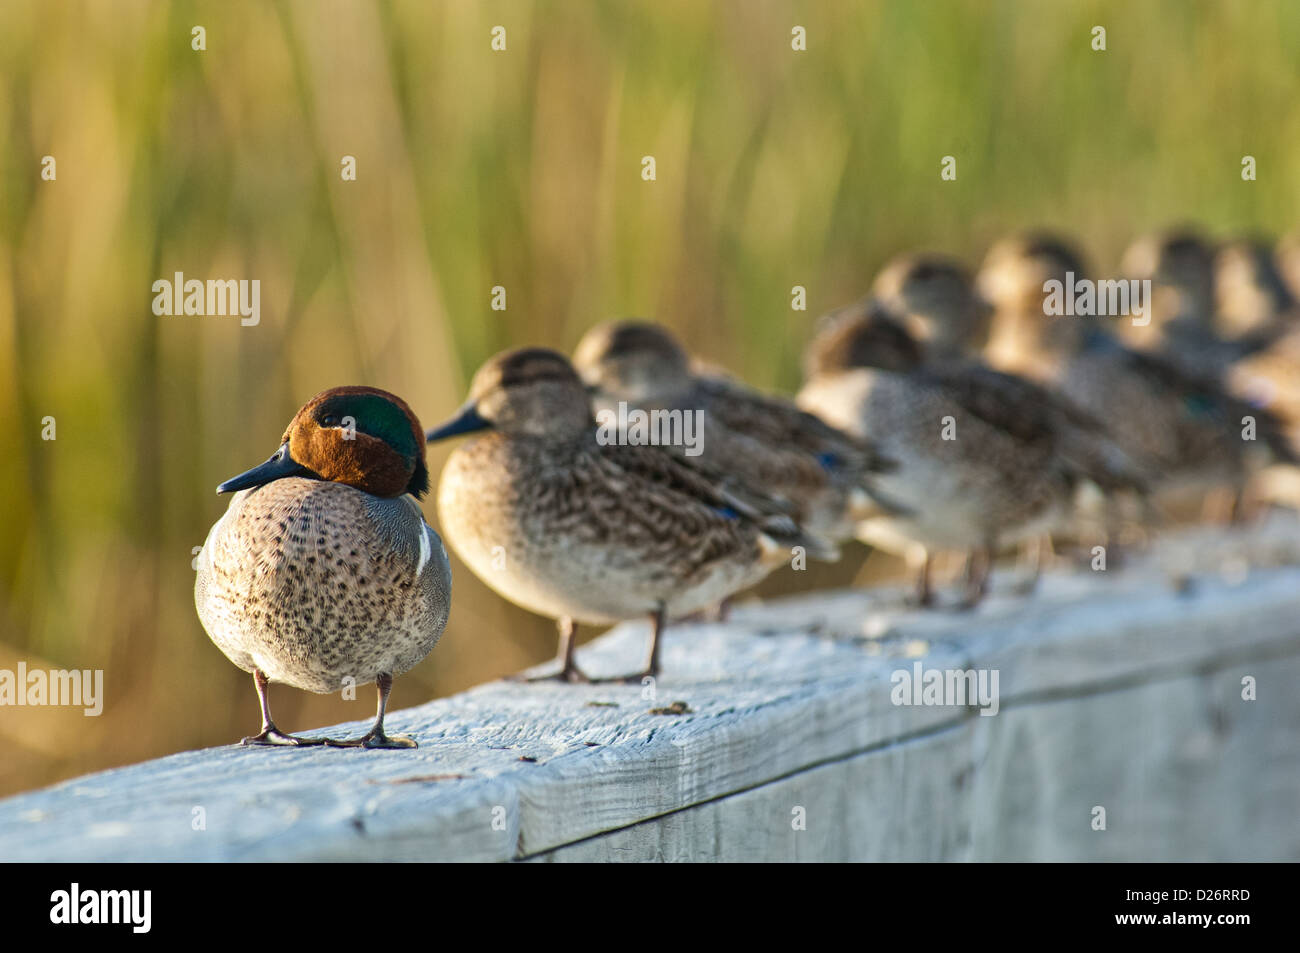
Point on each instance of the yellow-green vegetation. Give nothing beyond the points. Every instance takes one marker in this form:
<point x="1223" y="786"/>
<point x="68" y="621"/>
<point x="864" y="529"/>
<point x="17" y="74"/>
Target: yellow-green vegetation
<point x="522" y="169"/>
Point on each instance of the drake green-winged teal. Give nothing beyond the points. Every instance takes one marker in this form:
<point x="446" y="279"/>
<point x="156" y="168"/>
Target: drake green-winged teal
<point x="1185" y="429"/>
<point x="749" y="438"/>
<point x="570" y="527"/>
<point x="322" y="573"/>
<point x="984" y="458"/>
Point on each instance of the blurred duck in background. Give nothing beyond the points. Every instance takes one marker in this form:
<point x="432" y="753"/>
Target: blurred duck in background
<point x="938" y="298"/>
<point x="984" y="459"/>
<point x="1287" y="260"/>
<point x="1186" y="327"/>
<point x="825" y="477"/>
<point x="1012" y="280"/>
<point x="933" y="296"/>
<point x="1185" y="428"/>
<point x="1252" y="300"/>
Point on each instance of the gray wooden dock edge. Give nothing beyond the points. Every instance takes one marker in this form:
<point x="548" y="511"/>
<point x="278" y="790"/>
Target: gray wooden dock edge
<point x="1118" y="690"/>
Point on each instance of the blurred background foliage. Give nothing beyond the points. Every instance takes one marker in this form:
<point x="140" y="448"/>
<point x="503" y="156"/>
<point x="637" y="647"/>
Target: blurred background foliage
<point x="522" y="169"/>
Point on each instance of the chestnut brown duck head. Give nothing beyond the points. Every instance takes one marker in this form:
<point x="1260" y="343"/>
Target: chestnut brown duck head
<point x="362" y="437"/>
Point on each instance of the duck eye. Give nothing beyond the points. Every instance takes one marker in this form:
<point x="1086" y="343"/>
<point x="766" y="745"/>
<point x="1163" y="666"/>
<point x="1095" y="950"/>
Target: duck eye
<point x="329" y="420"/>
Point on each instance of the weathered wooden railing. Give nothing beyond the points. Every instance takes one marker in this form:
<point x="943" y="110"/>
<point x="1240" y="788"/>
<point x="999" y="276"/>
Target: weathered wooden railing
<point x="775" y="736"/>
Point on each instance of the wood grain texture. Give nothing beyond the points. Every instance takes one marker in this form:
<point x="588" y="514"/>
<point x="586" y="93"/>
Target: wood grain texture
<point x="1177" y="765"/>
<point x="1118" y="689"/>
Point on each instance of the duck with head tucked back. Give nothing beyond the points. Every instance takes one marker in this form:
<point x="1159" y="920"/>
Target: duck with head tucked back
<point x="1252" y="300"/>
<point x="749" y="438"/>
<point x="1186" y="429"/>
<point x="933" y="296"/>
<point x="1186" y="326"/>
<point x="579" y="530"/>
<point x="322" y="574"/>
<point x="984" y="458"/>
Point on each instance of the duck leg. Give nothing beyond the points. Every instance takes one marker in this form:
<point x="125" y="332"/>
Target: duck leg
<point x="271" y="735"/>
<point x="979" y="566"/>
<point x="375" y="737"/>
<point x="719" y="613"/>
<point x="652" y="668"/>
<point x="923" y="597"/>
<point x="657" y="621"/>
<point x="1112" y="536"/>
<point x="1130" y="531"/>
<point x="1035" y="555"/>
<point x="569" y="671"/>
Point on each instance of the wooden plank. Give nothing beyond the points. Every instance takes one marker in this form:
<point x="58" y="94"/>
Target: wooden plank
<point x="1186" y="770"/>
<point x="902" y="802"/>
<point x="781" y="692"/>
<point x="1180" y="780"/>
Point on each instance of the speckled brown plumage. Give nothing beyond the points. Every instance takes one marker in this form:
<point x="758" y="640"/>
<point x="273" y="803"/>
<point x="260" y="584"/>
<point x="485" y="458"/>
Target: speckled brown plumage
<point x="1182" y="428"/>
<point x="1000" y="475"/>
<point x="596" y="533"/>
<point x="1193" y="282"/>
<point x="1271" y="379"/>
<point x="1251" y="296"/>
<point x="314" y="582"/>
<point x="750" y="440"/>
<point x="1018" y="404"/>
<point x="1013" y="456"/>
<point x="322" y="573"/>
<point x="571" y="528"/>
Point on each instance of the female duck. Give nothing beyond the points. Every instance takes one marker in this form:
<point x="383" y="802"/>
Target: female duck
<point x="753" y="439"/>
<point x="579" y="530"/>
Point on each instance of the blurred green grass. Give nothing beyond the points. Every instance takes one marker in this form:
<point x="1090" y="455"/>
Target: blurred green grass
<point x="519" y="169"/>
